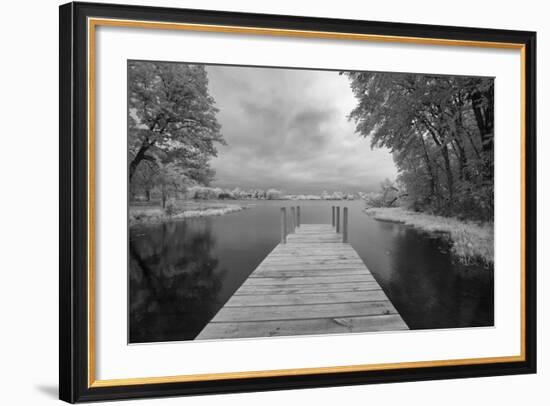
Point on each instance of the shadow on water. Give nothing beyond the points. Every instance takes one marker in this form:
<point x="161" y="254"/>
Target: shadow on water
<point x="174" y="282"/>
<point x="181" y="273"/>
<point x="429" y="287"/>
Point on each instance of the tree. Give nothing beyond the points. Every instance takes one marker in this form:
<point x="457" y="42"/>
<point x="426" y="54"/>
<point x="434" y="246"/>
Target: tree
<point x="439" y="130"/>
<point x="172" y="118"/>
<point x="144" y="180"/>
<point x="169" y="181"/>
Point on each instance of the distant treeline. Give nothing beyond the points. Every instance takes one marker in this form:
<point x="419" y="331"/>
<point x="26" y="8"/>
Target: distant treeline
<point x="198" y="192"/>
<point x="440" y="130"/>
<point x="203" y="192"/>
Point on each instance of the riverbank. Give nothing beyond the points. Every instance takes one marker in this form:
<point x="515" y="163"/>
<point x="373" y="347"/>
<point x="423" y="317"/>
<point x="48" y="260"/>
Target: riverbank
<point x="144" y="214"/>
<point x="471" y="242"/>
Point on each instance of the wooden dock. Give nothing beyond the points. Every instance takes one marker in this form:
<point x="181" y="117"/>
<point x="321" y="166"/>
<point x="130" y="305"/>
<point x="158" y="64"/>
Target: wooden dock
<point x="311" y="283"/>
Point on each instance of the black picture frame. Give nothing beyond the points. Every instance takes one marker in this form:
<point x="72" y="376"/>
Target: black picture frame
<point x="74" y="385"/>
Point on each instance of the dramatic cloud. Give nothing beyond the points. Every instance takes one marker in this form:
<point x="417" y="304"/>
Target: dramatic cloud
<point x="288" y="129"/>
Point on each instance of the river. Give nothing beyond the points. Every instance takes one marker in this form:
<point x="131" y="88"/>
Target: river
<point x="181" y="273"/>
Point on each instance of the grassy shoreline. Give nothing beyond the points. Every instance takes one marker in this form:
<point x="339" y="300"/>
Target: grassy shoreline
<point x="471" y="242"/>
<point x="155" y="214"/>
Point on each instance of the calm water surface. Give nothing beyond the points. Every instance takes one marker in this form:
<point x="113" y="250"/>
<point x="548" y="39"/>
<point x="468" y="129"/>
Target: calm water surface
<point x="183" y="272"/>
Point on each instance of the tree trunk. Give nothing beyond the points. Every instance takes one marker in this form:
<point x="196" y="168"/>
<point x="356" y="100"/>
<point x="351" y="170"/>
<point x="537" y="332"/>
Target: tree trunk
<point x="458" y="136"/>
<point x="461" y="158"/>
<point x="164" y="199"/>
<point x="448" y="172"/>
<point x="445" y="153"/>
<point x="484" y="116"/>
<point x="140" y="156"/>
<point x="430" y="169"/>
<point x="472" y="144"/>
<point x="137" y="159"/>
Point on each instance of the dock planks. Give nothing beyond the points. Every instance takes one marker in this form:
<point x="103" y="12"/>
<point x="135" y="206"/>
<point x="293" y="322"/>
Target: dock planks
<point x="313" y="284"/>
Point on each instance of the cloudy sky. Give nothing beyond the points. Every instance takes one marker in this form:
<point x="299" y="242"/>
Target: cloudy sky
<point x="288" y="129"/>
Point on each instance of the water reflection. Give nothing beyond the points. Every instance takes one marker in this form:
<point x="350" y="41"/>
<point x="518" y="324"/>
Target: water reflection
<point x="174" y="281"/>
<point x="434" y="291"/>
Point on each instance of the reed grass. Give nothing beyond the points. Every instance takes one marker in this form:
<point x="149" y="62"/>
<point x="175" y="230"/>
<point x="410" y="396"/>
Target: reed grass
<point x="152" y="215"/>
<point x="471" y="242"/>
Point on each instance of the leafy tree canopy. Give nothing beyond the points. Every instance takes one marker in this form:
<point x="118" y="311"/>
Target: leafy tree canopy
<point x="173" y="129"/>
<point x="440" y="131"/>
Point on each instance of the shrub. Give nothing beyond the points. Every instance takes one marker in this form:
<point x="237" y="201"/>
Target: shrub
<point x="273" y="194"/>
<point x="203" y="192"/>
<point x="170" y="208"/>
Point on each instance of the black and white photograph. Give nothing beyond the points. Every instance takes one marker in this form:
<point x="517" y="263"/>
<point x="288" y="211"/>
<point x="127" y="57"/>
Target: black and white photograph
<point x="268" y="202"/>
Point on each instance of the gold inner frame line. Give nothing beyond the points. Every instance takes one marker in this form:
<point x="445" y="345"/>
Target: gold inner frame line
<point x="94" y="22"/>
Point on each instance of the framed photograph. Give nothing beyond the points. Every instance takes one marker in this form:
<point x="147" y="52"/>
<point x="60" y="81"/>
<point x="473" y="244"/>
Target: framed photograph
<point x="256" y="202"/>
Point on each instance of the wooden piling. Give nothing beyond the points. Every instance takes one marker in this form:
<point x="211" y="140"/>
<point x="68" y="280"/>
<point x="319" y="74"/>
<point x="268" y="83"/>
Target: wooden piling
<point x="345" y="226"/>
<point x="298" y="216"/>
<point x="337" y="219"/>
<point x="283" y="225"/>
<point x="333" y="222"/>
<point x="292" y="219"/>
